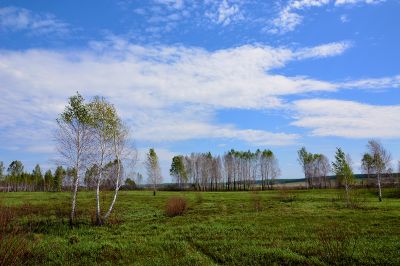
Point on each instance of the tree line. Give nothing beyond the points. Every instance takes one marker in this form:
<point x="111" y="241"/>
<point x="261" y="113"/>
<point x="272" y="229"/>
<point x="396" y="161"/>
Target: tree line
<point x="246" y="170"/>
<point x="16" y="179"/>
<point x="234" y="171"/>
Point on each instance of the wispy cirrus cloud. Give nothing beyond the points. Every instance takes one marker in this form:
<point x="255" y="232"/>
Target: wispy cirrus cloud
<point x="373" y="83"/>
<point x="21" y="19"/>
<point x="289" y="16"/>
<point x="352" y="2"/>
<point x="325" y="50"/>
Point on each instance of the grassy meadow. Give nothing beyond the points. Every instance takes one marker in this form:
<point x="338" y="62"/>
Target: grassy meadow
<point x="280" y="227"/>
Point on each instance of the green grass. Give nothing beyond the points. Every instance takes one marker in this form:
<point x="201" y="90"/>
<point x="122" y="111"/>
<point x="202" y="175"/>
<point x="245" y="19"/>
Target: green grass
<point x="235" y="228"/>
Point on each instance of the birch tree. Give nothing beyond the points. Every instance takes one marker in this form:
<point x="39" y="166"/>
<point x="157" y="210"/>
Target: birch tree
<point x="122" y="152"/>
<point x="381" y="162"/>
<point x="344" y="172"/>
<point x="305" y="160"/>
<point x="367" y="165"/>
<point x="153" y="170"/>
<point x="269" y="169"/>
<point x="325" y="168"/>
<point x="74" y="142"/>
<point x="104" y="119"/>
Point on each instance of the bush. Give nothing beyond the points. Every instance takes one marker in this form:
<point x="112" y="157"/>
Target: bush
<point x="175" y="206"/>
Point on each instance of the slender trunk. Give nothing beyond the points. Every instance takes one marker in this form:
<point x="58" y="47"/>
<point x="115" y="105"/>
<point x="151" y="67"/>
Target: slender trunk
<point x="379" y="188"/>
<point x="115" y="191"/>
<point x="75" y="190"/>
<point x="347" y="195"/>
<point x="98" y="220"/>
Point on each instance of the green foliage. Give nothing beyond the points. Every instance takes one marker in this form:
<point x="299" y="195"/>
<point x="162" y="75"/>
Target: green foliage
<point x="48" y="180"/>
<point x="304" y="157"/>
<point x="90" y="176"/>
<point x="342" y="168"/>
<point x="76" y="111"/>
<point x="59" y="175"/>
<point x="103" y="117"/>
<point x="178" y="169"/>
<point x="130" y="184"/>
<point x="15" y="169"/>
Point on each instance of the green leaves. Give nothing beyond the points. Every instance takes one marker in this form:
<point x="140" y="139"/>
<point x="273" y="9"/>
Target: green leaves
<point x="103" y="116"/>
<point x="76" y="110"/>
<point x="342" y="167"/>
<point x="178" y="168"/>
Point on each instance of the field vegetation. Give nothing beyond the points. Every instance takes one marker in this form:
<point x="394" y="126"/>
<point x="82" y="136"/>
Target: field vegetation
<point x="283" y="227"/>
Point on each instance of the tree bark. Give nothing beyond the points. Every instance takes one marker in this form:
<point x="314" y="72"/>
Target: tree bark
<point x="379" y="188"/>
<point x="115" y="191"/>
<point x="75" y="190"/>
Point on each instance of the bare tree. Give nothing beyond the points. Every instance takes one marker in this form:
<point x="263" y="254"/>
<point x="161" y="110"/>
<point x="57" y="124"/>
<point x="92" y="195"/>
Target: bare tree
<point x="153" y="170"/>
<point x="325" y="168"/>
<point x="74" y="142"/>
<point x="320" y="168"/>
<point x="269" y="168"/>
<point x="381" y="162"/>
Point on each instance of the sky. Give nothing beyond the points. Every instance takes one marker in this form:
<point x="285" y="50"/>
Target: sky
<point x="199" y="76"/>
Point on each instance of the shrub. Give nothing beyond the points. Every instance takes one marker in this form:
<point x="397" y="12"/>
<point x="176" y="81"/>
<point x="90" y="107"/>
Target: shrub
<point x="175" y="206"/>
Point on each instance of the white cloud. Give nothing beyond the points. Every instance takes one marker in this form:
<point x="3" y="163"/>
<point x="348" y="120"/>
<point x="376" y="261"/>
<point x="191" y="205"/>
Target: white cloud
<point x="173" y="4"/>
<point x="347" y="118"/>
<point x="373" y="83"/>
<point x="17" y="19"/>
<point x="289" y="18"/>
<point x="147" y="84"/>
<point x="166" y="93"/>
<point x="325" y="50"/>
<point x="225" y="13"/>
<point x="352" y="2"/>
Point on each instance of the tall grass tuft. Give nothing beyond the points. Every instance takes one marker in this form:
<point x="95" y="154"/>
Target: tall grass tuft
<point x="13" y="246"/>
<point x="337" y="244"/>
<point x="175" y="206"/>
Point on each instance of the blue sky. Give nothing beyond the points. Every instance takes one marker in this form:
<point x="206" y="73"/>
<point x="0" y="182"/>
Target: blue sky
<point x="197" y="76"/>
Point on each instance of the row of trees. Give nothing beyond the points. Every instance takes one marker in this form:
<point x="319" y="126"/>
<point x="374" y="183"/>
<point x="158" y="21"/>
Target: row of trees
<point x="375" y="162"/>
<point x="316" y="168"/>
<point x="16" y="179"/>
<point x="235" y="170"/>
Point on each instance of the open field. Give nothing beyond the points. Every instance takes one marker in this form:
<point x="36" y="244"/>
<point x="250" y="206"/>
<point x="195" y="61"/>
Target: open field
<point x="236" y="228"/>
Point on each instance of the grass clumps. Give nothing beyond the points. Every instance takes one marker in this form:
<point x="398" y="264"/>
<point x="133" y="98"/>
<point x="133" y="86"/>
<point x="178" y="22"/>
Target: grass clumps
<point x="175" y="206"/>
